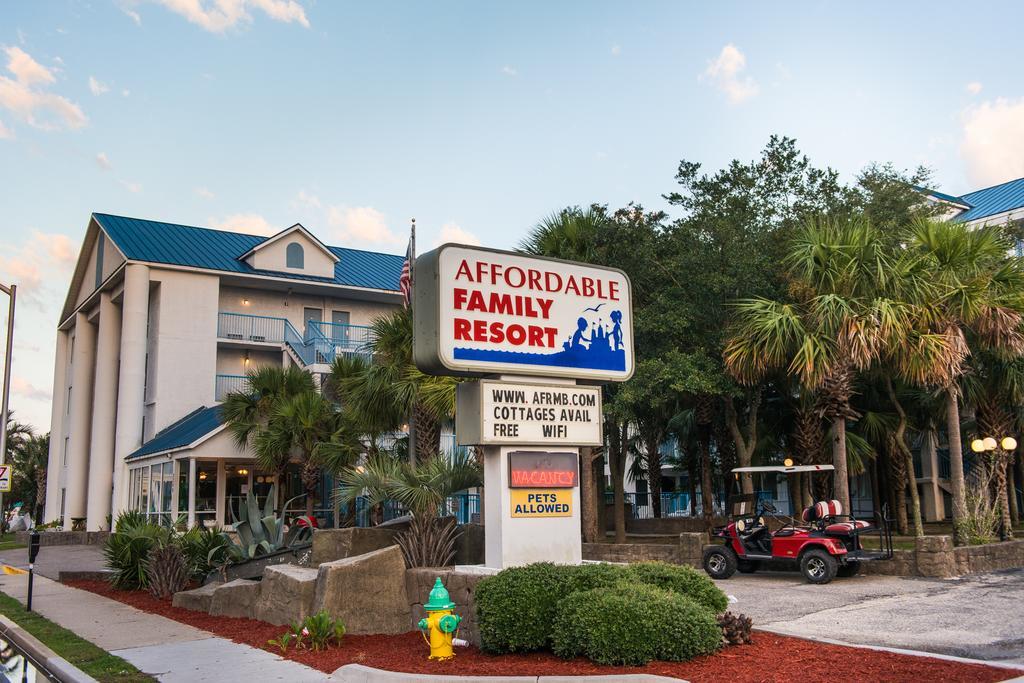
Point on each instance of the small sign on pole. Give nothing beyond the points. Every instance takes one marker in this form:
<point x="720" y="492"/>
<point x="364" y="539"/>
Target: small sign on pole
<point x="6" y="472"/>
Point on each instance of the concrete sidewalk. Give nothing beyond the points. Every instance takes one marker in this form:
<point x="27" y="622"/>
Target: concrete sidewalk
<point x="52" y="560"/>
<point x="161" y="647"/>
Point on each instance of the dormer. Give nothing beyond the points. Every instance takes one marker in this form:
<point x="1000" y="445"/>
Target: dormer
<point x="293" y="250"/>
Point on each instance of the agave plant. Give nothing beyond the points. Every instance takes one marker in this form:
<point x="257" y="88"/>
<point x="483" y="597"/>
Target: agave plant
<point x="262" y="532"/>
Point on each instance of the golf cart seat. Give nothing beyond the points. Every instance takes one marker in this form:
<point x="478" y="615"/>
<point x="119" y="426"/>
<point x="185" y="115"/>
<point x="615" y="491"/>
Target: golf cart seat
<point x="828" y="514"/>
<point x="846" y="528"/>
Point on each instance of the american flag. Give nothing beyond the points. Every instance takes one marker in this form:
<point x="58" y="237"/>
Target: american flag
<point x="405" y="279"/>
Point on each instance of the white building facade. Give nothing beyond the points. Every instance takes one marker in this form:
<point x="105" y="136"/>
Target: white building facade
<point x="160" y="323"/>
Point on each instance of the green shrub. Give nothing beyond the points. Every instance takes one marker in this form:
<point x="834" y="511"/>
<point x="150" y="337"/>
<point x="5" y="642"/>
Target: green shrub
<point x="205" y="549"/>
<point x="632" y="624"/>
<point x="682" y="580"/>
<point x="127" y="549"/>
<point x="516" y="606"/>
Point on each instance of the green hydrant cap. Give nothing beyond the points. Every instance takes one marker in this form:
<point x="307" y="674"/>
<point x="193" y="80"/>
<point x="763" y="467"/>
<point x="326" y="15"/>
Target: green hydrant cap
<point x="439" y="598"/>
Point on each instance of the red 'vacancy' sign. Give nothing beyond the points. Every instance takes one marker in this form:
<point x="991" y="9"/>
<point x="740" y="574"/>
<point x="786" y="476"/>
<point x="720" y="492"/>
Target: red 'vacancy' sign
<point x="542" y="469"/>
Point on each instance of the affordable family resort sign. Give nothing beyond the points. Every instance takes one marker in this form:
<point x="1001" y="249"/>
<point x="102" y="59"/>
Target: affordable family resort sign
<point x="481" y="311"/>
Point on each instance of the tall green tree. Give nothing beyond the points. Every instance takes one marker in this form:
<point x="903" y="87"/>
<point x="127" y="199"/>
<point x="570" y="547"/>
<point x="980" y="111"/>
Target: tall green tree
<point x="382" y="394"/>
<point x="978" y="289"/>
<point x="247" y="413"/>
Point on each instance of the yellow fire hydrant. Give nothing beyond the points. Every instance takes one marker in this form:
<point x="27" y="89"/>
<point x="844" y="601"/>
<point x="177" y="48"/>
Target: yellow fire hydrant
<point x="440" y="623"/>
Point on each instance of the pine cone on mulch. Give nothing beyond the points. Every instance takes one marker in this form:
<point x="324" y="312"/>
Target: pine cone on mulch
<point x="735" y="628"/>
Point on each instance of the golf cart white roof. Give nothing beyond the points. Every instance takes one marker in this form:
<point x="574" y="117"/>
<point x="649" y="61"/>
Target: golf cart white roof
<point x="783" y="468"/>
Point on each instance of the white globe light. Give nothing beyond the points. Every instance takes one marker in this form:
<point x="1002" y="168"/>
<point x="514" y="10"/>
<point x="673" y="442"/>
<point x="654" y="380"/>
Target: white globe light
<point x="977" y="445"/>
<point x="990" y="443"/>
<point x="1009" y="443"/>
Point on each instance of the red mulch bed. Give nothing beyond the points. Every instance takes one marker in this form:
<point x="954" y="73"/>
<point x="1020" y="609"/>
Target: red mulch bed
<point x="771" y="658"/>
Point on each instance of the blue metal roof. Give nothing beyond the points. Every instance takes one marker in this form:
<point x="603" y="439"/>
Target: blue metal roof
<point x="941" y="195"/>
<point x="185" y="431"/>
<point x="993" y="200"/>
<point x="186" y="245"/>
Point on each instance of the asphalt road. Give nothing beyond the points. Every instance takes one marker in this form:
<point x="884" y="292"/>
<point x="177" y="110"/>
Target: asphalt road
<point x="979" y="616"/>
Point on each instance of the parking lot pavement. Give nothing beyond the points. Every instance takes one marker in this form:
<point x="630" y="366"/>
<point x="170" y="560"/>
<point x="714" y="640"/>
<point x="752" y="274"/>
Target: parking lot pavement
<point x="978" y="616"/>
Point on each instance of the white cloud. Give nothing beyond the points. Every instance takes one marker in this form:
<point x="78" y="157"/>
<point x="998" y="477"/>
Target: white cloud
<point x="126" y="92"/>
<point x="218" y="16"/>
<point x="993" y="141"/>
<point x="616" y="50"/>
<point x="132" y="186"/>
<point x="360" y="224"/>
<point x="25" y="96"/>
<point x="306" y="200"/>
<point x="204" y="193"/>
<point x="134" y="15"/>
<point x="103" y="161"/>
<point x="43" y="262"/>
<point x="724" y="73"/>
<point x="509" y="71"/>
<point x="452" y="232"/>
<point x="25" y="69"/>
<point x="251" y="223"/>
<point x="25" y="389"/>
<point x="974" y="87"/>
<point x="5" y="132"/>
<point x="96" y="87"/>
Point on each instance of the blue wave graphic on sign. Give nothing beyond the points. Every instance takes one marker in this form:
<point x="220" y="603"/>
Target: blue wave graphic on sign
<point x="603" y="349"/>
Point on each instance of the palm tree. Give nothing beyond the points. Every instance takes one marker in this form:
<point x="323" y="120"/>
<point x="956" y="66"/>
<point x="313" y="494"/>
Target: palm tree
<point x="422" y="489"/>
<point x="979" y="289"/>
<point x="383" y="393"/>
<point x="247" y="413"/>
<point x="845" y="314"/>
<point x="309" y="426"/>
<point x="29" y="459"/>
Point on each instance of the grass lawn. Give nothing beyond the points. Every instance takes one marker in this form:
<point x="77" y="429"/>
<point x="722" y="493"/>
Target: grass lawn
<point x="7" y="542"/>
<point x="98" y="663"/>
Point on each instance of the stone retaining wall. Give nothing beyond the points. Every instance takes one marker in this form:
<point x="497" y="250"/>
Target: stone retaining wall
<point x="667" y="525"/>
<point x="687" y="549"/>
<point x="935" y="556"/>
<point x="65" y="537"/>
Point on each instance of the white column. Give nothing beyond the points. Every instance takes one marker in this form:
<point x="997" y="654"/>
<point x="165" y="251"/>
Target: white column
<point x="57" y="409"/>
<point x="193" y="481"/>
<point x="83" y="362"/>
<point x="104" y="412"/>
<point x="222" y="490"/>
<point x="132" y="377"/>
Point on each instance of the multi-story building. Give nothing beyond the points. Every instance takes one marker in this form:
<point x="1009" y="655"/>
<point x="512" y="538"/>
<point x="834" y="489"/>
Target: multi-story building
<point x="161" y="322"/>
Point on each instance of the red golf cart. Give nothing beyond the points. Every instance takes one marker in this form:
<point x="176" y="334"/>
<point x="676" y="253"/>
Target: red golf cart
<point x="823" y="543"/>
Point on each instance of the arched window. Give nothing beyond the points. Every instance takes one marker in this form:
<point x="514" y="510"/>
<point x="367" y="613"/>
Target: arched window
<point x="294" y="256"/>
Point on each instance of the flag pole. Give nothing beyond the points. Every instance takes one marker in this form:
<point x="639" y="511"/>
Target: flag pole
<point x="412" y="284"/>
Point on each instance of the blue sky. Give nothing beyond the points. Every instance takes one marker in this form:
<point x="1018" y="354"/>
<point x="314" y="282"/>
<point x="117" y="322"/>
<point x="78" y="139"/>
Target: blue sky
<point x="476" y="118"/>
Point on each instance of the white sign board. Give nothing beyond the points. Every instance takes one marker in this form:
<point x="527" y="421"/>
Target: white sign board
<point x="481" y="311"/>
<point x="6" y="471"/>
<point x="493" y="412"/>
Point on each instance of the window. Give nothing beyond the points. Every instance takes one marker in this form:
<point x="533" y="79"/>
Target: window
<point x="294" y="256"/>
<point x="67" y="442"/>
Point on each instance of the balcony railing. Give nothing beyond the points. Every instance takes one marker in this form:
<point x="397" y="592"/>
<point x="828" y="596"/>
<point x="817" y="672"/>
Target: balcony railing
<point x="229" y="384"/>
<point x="321" y="343"/>
<point x="255" y="328"/>
<point x="464" y="507"/>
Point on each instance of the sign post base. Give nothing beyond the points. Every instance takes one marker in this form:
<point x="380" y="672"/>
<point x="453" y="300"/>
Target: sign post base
<point x="523" y="525"/>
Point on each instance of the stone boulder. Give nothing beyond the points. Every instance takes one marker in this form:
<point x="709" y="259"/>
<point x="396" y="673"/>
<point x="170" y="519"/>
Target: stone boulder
<point x="235" y="599"/>
<point x="337" y="544"/>
<point x="197" y="599"/>
<point x="367" y="592"/>
<point x="286" y="594"/>
<point x="461" y="583"/>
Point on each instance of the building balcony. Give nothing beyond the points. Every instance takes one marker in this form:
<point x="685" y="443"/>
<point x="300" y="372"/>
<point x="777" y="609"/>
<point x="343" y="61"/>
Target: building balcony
<point x="319" y="344"/>
<point x="228" y="384"/>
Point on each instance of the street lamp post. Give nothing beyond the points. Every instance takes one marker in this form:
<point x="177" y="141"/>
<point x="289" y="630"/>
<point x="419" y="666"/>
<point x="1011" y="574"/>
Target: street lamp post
<point x="11" y="292"/>
<point x="989" y="444"/>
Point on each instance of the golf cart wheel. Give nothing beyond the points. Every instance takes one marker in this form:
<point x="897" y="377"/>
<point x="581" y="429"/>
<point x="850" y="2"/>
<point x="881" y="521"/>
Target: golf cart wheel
<point x="720" y="562"/>
<point x="849" y="569"/>
<point x="818" y="566"/>
<point x="747" y="566"/>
